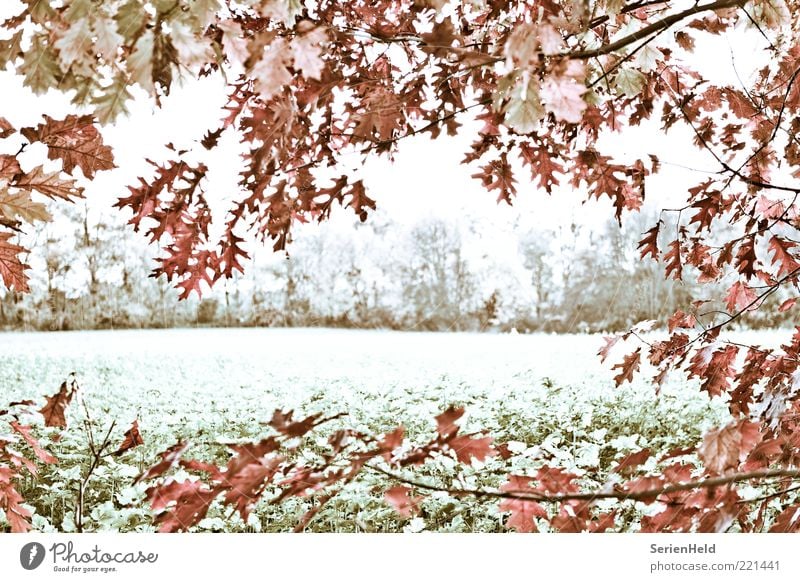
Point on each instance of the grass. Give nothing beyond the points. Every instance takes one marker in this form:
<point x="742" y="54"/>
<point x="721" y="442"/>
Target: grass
<point x="545" y="395"/>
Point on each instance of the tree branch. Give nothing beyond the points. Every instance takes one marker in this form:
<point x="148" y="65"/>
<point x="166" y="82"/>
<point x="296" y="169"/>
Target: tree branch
<point x="654" y="28"/>
<point x="648" y="494"/>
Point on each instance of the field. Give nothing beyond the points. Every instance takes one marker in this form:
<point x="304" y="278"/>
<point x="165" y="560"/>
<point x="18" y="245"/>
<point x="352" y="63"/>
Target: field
<point x="546" y="395"/>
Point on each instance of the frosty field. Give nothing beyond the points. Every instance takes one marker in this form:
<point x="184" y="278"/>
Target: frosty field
<point x="547" y="395"/>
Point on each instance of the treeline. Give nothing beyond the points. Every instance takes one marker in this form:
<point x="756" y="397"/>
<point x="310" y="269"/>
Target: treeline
<point x="435" y="274"/>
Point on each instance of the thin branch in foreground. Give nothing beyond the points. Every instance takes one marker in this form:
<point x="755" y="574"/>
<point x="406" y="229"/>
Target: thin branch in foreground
<point x="648" y="494"/>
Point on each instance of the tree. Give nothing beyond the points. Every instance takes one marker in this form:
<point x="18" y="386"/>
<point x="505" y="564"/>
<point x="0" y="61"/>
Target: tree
<point x="313" y="82"/>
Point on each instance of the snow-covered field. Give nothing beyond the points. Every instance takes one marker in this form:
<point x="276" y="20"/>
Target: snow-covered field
<point x="547" y="394"/>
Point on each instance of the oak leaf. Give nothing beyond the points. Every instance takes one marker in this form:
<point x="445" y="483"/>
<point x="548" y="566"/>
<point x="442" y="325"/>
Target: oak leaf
<point x="610" y="342"/>
<point x="12" y="269"/>
<point x="307" y="53"/>
<point x="724" y="448"/>
<point x="56" y="406"/>
<point x="739" y="297"/>
<point x="649" y="244"/>
<point x="788" y="521"/>
<point x="467" y="448"/>
<point x="400" y="499"/>
<point x="786" y="261"/>
<point x="187" y="503"/>
<point x="75" y="141"/>
<point x="6" y="129"/>
<point x="628" y="367"/>
<point x="632" y="461"/>
<point x="523" y="511"/>
<point x="49" y="184"/>
<point x="133" y="439"/>
<point x="446" y="422"/>
<point x="25" y="432"/>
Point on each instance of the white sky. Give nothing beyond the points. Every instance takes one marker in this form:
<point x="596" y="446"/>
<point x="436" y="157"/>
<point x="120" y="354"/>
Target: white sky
<point x="426" y="176"/>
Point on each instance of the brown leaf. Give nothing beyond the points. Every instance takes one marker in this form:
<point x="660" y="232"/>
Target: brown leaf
<point x="610" y="342"/>
<point x="632" y="461"/>
<point x="75" y="141"/>
<point x="9" y="169"/>
<point x="55" y="408"/>
<point x="717" y="375"/>
<point x="724" y="448"/>
<point x="25" y="432"/>
<point x="6" y="129"/>
<point x="685" y="41"/>
<point x="132" y="439"/>
<point x="446" y="422"/>
<point x="248" y="483"/>
<point x="746" y="258"/>
<point x="403" y="503"/>
<point x="169" y="458"/>
<point x="467" y="448"/>
<point x="10" y="502"/>
<point x="284" y="424"/>
<point x="782" y="256"/>
<point x="674" y="265"/>
<point x="390" y="441"/>
<point x="628" y="367"/>
<point x="191" y="502"/>
<point x="543" y="165"/>
<point x="788" y="521"/>
<point x="739" y="297"/>
<point x="681" y="320"/>
<point x="523" y="511"/>
<point x="12" y="269"/>
<point x="649" y="244"/>
<point x="49" y="184"/>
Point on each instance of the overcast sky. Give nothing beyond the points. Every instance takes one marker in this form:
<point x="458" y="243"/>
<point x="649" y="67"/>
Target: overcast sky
<point x="426" y="176"/>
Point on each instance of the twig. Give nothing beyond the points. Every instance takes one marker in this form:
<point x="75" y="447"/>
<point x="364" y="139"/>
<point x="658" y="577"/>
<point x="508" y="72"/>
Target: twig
<point x="648" y="494"/>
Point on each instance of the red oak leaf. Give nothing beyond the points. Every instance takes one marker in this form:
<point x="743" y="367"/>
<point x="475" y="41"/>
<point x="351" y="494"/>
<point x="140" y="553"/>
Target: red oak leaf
<point x="40" y="453"/>
<point x="628" y="367"/>
<point x="191" y="501"/>
<point x="681" y="320"/>
<point x="788" y="521"/>
<point x="674" y="266"/>
<point x="717" y="375"/>
<point x="446" y="422"/>
<point x="49" y="184"/>
<point x="12" y="269"/>
<point x="746" y="258"/>
<point x="739" y="297"/>
<point x="75" y="141"/>
<point x="10" y="501"/>
<point x="523" y="511"/>
<point x="782" y="257"/>
<point x="405" y="505"/>
<point x="724" y="448"/>
<point x="390" y="441"/>
<point x="284" y="424"/>
<point x="643" y="486"/>
<point x="610" y="342"/>
<point x="132" y="439"/>
<point x="555" y="480"/>
<point x="248" y="484"/>
<point x="543" y="166"/>
<point x="649" y="244"/>
<point x="169" y="458"/>
<point x="56" y="406"/>
<point x="6" y="129"/>
<point x="467" y="448"/>
<point x="632" y="461"/>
